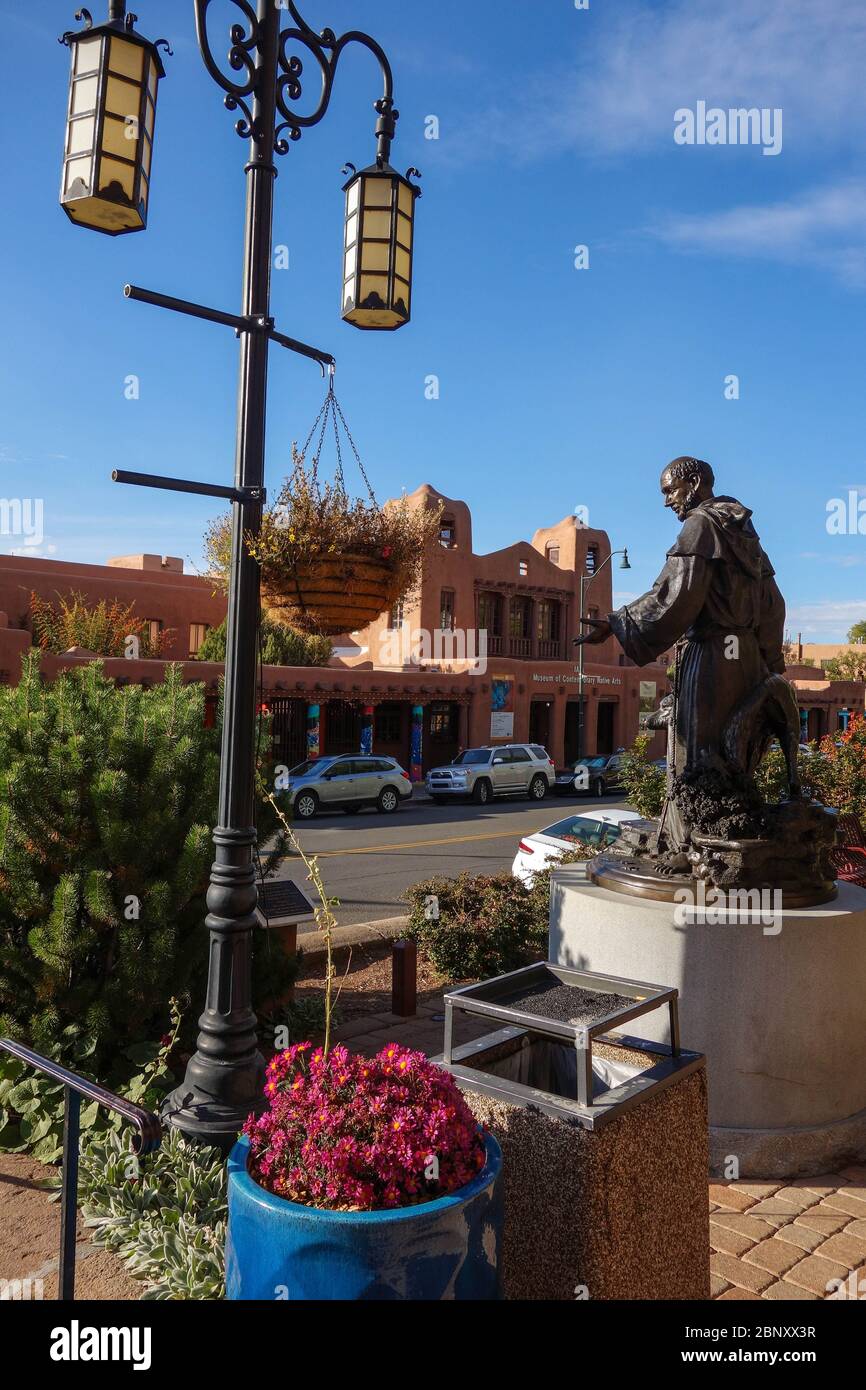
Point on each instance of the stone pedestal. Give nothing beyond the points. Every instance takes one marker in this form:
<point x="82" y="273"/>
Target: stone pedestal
<point x="779" y="1009"/>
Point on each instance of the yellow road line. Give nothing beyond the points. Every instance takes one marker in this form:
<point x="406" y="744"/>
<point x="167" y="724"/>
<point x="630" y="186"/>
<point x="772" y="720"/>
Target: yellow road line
<point x="414" y="844"/>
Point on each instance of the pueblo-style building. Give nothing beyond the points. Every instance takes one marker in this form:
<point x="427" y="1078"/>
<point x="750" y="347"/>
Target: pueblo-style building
<point x="481" y="654"/>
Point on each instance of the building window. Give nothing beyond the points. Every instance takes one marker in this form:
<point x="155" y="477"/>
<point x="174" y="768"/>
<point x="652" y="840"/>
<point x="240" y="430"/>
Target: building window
<point x="592" y="559"/>
<point x="548" y="620"/>
<point x="523" y="569"/>
<point x="521" y="617"/>
<point x="553" y="554"/>
<point x="395" y="617"/>
<point x="443" y="720"/>
<point x="154" y="631"/>
<point x="446" y="610"/>
<point x="197" y="633"/>
<point x="448" y="533"/>
<point x="490" y="614"/>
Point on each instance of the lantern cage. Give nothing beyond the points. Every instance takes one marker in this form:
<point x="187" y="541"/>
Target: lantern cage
<point x="110" y="126"/>
<point x="377" y="266"/>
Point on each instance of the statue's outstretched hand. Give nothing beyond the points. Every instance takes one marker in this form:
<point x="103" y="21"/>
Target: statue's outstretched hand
<point x="601" y="630"/>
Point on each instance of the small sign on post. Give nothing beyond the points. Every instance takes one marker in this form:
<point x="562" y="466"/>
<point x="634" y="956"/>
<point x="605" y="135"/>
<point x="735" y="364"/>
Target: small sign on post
<point x="404" y="979"/>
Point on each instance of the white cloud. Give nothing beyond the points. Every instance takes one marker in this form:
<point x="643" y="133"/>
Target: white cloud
<point x="35" y="552"/>
<point x="826" y="621"/>
<point x="823" y="227"/>
<point x="636" y="66"/>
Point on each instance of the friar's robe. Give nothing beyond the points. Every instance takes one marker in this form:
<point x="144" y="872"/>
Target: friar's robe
<point x="717" y="585"/>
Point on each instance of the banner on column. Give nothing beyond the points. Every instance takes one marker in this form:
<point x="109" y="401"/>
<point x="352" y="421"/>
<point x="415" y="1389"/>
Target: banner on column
<point x="416" y="750"/>
<point x="502" y="707"/>
<point x="313" y="731"/>
<point x="367" y="731"/>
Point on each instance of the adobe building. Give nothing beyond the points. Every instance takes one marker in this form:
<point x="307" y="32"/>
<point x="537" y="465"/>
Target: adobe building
<point x="826" y="707"/>
<point x="421" y="682"/>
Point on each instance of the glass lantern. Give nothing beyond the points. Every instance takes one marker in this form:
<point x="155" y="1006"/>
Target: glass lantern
<point x="377" y="265"/>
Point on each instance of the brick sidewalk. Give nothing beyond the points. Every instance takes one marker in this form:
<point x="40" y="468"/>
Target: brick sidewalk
<point x="769" y="1240"/>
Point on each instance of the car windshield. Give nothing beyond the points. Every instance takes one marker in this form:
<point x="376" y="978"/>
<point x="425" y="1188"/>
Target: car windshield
<point x="471" y="756"/>
<point x="582" y="830"/>
<point x="590" y="762"/>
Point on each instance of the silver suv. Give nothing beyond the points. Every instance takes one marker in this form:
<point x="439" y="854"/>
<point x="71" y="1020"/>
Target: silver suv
<point x="516" y="769"/>
<point x="347" y="784"/>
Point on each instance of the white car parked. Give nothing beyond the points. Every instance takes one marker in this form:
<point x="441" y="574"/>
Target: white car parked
<point x="597" y="831"/>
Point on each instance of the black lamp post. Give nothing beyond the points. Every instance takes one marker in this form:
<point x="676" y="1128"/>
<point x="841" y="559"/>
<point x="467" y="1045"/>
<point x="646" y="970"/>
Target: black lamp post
<point x="224" y="1078"/>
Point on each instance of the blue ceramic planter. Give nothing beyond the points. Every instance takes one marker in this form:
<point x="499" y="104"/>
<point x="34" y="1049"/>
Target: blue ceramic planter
<point x="444" y="1249"/>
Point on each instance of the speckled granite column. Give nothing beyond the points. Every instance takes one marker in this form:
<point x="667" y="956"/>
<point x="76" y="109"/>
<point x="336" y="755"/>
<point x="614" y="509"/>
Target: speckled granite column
<point x="620" y="1212"/>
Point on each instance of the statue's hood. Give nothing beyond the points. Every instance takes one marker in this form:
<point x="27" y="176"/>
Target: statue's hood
<point x="721" y="529"/>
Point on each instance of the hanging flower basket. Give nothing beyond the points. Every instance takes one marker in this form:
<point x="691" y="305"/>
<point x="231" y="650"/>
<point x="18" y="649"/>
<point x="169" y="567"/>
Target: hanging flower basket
<point x="330" y="563"/>
<point x="332" y="594"/>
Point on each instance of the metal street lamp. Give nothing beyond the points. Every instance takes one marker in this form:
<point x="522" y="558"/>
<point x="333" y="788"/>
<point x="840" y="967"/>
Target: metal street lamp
<point x="225" y="1077"/>
<point x="377" y="273"/>
<point x="586" y="582"/>
<point x="110" y="122"/>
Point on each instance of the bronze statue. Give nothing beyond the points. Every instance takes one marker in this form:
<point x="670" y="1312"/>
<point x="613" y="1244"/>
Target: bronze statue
<point x="717" y="602"/>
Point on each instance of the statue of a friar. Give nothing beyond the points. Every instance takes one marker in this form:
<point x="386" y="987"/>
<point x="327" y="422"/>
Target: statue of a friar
<point x="717" y="602"/>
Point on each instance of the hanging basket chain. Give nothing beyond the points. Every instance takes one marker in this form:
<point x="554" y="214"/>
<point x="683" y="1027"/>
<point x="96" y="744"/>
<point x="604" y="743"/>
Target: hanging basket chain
<point x="341" y="480"/>
<point x="332" y="409"/>
<point x="354" y="446"/>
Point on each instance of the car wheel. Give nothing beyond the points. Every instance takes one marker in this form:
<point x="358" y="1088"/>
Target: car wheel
<point x="306" y="805"/>
<point x="388" y="800"/>
<point x="481" y="792"/>
<point x="538" y="788"/>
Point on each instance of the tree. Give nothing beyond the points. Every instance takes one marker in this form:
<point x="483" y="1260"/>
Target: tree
<point x="104" y="628"/>
<point x="281" y="646"/>
<point x="857" y="633"/>
<point x="107" y="799"/>
<point x="847" y="666"/>
<point x="643" y="782"/>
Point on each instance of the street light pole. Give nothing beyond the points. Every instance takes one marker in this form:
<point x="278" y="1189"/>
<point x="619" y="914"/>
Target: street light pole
<point x="584" y="587"/>
<point x="225" y="1077"/>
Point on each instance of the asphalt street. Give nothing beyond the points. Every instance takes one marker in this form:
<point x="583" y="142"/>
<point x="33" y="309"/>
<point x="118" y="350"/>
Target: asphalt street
<point x="367" y="860"/>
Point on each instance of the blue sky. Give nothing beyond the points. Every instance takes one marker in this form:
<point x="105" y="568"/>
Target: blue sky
<point x="558" y="387"/>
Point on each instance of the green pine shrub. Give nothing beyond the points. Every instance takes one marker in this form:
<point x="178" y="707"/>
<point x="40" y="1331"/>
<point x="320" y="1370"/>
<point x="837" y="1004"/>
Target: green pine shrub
<point x="281" y="646"/>
<point x="107" y="799"/>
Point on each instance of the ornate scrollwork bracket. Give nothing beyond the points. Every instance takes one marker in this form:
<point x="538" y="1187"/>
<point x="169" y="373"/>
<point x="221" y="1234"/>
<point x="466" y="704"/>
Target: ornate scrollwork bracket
<point x="326" y="49"/>
<point x="245" y="41"/>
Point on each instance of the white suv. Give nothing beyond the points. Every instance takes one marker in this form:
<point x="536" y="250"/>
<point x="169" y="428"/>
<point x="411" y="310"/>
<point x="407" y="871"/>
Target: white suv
<point x="515" y="769"/>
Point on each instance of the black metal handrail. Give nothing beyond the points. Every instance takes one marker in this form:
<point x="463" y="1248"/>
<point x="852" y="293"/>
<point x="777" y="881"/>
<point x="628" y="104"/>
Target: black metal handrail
<point x="147" y="1139"/>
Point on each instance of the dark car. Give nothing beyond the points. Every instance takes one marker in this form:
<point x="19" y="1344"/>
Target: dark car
<point x="595" y="775"/>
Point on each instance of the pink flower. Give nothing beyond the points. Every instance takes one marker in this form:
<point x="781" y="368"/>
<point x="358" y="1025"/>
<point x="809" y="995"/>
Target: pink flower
<point x="348" y="1133"/>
